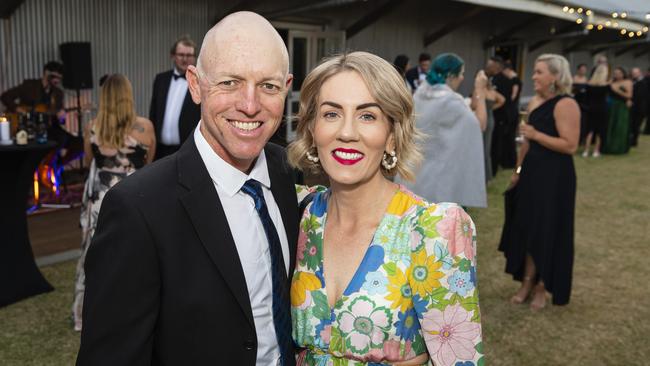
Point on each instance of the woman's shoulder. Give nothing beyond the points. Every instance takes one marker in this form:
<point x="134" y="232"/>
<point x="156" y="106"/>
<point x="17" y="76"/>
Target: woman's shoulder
<point x="142" y="125"/>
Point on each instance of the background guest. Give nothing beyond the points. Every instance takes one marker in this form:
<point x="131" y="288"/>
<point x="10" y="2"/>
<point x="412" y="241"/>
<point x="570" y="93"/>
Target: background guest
<point x="494" y="70"/>
<point x="617" y="138"/>
<point x="639" y="104"/>
<point x="453" y="168"/>
<point x="537" y="237"/>
<point x="646" y="130"/>
<point x="596" y="100"/>
<point x="34" y="92"/>
<point x="401" y="64"/>
<point x="509" y="153"/>
<point x="493" y="100"/>
<point x="116" y="143"/>
<point x="416" y="75"/>
<point x="172" y="110"/>
<point x="580" y="83"/>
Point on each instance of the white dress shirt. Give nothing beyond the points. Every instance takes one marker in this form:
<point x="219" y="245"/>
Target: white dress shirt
<point x="170" y="134"/>
<point x="250" y="239"/>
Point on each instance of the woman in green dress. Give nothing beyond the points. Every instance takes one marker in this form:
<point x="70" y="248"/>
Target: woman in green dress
<point x="617" y="140"/>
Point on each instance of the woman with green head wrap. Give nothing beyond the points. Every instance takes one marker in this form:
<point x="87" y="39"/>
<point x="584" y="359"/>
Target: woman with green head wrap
<point x="453" y="168"/>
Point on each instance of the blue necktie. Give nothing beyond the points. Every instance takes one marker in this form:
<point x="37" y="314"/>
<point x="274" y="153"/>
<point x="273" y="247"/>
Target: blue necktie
<point x="281" y="307"/>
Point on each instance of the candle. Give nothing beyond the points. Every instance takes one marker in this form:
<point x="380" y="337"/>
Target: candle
<point x="4" y="130"/>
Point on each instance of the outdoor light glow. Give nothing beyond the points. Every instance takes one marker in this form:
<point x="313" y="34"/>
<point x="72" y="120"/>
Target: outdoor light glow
<point x="631" y="34"/>
<point x="615" y="14"/>
<point x="645" y="29"/>
<point x="590" y="26"/>
<point x="579" y="20"/>
<point x="623" y="31"/>
<point x="615" y="25"/>
<point x="565" y="9"/>
<point x="589" y="12"/>
<point x="647" y="16"/>
<point x="639" y="33"/>
<point x="572" y="10"/>
<point x="608" y="23"/>
<point x="600" y="27"/>
<point x="623" y="15"/>
<point x="579" y="10"/>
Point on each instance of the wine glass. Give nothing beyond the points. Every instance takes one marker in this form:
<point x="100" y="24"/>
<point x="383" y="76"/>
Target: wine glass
<point x="523" y="119"/>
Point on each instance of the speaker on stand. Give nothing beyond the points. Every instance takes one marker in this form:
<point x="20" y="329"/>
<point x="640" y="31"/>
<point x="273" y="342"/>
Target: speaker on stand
<point x="77" y="74"/>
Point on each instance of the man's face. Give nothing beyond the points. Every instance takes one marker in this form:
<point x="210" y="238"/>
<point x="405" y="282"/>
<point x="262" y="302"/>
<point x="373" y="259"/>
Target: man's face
<point x="241" y="91"/>
<point x="636" y="73"/>
<point x="53" y="78"/>
<point x="425" y="65"/>
<point x="183" y="57"/>
<point x="492" y="68"/>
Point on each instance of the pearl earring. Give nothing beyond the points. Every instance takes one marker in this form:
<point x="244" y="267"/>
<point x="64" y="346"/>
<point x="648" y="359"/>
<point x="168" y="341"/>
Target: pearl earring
<point x="389" y="161"/>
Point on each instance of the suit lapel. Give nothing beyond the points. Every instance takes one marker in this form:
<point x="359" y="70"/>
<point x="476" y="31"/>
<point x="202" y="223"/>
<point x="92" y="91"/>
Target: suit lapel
<point x="209" y="220"/>
<point x="284" y="193"/>
<point x="166" y="80"/>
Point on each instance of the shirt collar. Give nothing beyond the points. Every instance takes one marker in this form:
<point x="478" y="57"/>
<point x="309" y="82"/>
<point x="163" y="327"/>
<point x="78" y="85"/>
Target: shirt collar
<point x="226" y="176"/>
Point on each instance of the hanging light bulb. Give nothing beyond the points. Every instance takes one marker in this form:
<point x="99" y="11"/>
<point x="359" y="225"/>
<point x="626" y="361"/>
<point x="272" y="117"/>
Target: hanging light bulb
<point x="615" y="25"/>
<point x="614" y="15"/>
<point x="639" y="33"/>
<point x="572" y="10"/>
<point x="580" y="10"/>
<point x="600" y="27"/>
<point x="565" y="9"/>
<point x="647" y="16"/>
<point x="589" y="12"/>
<point x="590" y="26"/>
<point x="608" y="23"/>
<point x="623" y="31"/>
<point x="579" y="21"/>
<point x="631" y="34"/>
<point x="644" y="29"/>
<point x="623" y="15"/>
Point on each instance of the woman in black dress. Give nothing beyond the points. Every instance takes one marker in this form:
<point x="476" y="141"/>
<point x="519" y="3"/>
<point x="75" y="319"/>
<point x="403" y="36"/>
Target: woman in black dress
<point x="537" y="237"/>
<point x="579" y="92"/>
<point x="597" y="91"/>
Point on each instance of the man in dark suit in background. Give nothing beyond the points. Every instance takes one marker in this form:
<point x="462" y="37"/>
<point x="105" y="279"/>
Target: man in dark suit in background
<point x="494" y="70"/>
<point x="639" y="104"/>
<point x="416" y="75"/>
<point x="172" y="112"/>
<point x="192" y="258"/>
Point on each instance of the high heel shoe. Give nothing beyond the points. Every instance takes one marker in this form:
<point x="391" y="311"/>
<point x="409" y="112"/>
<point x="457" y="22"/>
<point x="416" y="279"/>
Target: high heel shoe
<point x="526" y="288"/>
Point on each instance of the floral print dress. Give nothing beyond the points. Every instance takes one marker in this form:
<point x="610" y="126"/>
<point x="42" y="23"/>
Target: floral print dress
<point x="414" y="291"/>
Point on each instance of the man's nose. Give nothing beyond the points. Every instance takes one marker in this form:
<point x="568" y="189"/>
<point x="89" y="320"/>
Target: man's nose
<point x="249" y="102"/>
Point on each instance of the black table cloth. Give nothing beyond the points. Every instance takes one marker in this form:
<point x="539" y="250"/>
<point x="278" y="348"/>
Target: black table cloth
<point x="19" y="275"/>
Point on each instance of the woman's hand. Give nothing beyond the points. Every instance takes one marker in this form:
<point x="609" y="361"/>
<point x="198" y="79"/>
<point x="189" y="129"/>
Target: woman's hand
<point x="514" y="179"/>
<point x="481" y="81"/>
<point x="528" y="131"/>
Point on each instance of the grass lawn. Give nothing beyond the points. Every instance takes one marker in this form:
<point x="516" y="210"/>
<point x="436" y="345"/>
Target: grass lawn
<point x="605" y="324"/>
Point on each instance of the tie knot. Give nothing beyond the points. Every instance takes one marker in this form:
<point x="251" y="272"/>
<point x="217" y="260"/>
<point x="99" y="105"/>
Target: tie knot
<point x="253" y="189"/>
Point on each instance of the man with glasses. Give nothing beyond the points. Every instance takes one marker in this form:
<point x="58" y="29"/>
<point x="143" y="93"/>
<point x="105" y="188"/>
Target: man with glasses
<point x="39" y="94"/>
<point x="172" y="111"/>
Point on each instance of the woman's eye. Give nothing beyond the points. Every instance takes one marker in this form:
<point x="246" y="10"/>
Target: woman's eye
<point x="330" y="115"/>
<point x="367" y="117"/>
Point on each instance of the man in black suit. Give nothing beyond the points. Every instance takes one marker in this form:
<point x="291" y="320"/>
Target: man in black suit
<point x="639" y="104"/>
<point x="416" y="75"/>
<point x="172" y="111"/>
<point x="500" y="145"/>
<point x="192" y="258"/>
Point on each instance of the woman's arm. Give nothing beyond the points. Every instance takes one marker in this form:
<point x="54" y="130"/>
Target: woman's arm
<point x="567" y="122"/>
<point x="499" y="100"/>
<point x="478" y="99"/>
<point x="624" y="89"/>
<point x="88" y="151"/>
<point x="515" y="92"/>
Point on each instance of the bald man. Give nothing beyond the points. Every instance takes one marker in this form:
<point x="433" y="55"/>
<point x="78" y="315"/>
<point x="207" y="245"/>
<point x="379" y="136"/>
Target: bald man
<point x="192" y="257"/>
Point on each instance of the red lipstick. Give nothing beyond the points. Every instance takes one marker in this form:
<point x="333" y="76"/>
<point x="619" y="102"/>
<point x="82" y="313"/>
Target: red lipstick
<point x="347" y="156"/>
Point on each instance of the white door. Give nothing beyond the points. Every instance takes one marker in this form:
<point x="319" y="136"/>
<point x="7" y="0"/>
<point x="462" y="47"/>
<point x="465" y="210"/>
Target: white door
<point x="306" y="50"/>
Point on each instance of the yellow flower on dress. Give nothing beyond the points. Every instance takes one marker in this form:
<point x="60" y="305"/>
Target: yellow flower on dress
<point x="302" y="283"/>
<point x="399" y="291"/>
<point x="423" y="273"/>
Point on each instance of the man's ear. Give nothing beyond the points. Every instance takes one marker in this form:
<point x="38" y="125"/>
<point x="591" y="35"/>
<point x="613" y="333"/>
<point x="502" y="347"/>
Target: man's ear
<point x="192" y="76"/>
<point x="289" y="81"/>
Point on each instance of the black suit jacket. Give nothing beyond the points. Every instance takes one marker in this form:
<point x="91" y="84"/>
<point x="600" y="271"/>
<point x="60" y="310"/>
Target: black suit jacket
<point x="640" y="98"/>
<point x="412" y="75"/>
<point x="164" y="284"/>
<point x="190" y="112"/>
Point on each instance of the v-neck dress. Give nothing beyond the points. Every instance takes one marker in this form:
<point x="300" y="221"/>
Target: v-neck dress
<point x="413" y="292"/>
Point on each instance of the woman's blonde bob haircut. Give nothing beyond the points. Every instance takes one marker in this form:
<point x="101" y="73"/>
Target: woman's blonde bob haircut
<point x="558" y="66"/>
<point x="386" y="86"/>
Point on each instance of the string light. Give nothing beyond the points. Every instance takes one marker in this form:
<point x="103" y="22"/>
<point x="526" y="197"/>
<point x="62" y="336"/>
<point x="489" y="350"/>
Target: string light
<point x="589" y="12"/>
<point x="623" y="15"/>
<point x="615" y="25"/>
<point x="590" y="26"/>
<point x="572" y="10"/>
<point x="608" y="23"/>
<point x="579" y="21"/>
<point x="614" y="15"/>
<point x="647" y="16"/>
<point x="631" y="34"/>
<point x="623" y="31"/>
<point x="639" y="33"/>
<point x="645" y="29"/>
<point x="600" y="27"/>
<point x="580" y="10"/>
<point x="565" y="9"/>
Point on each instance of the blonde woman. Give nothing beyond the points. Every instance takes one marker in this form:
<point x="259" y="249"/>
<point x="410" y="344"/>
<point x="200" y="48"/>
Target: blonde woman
<point x="382" y="276"/>
<point x="597" y="90"/>
<point x="537" y="237"/>
<point x="116" y="143"/>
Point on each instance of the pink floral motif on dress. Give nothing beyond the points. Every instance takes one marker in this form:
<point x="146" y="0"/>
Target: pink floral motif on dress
<point x="456" y="227"/>
<point x="450" y="334"/>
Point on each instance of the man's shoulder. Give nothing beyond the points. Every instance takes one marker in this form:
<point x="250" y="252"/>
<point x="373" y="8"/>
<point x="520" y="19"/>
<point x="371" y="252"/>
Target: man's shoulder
<point x="150" y="180"/>
<point x="412" y="72"/>
<point x="164" y="75"/>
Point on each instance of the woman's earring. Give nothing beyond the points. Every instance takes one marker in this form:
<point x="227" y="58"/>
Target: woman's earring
<point x="552" y="88"/>
<point x="389" y="160"/>
<point x="312" y="158"/>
